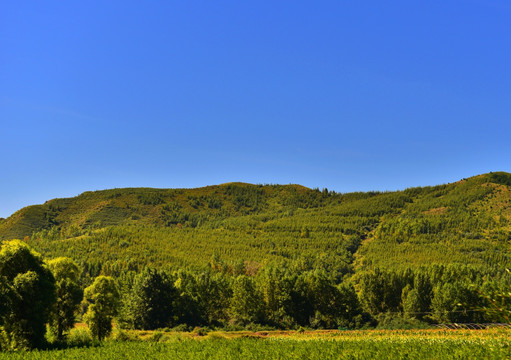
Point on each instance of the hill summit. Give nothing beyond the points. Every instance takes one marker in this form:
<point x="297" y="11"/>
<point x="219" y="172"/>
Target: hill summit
<point x="467" y="222"/>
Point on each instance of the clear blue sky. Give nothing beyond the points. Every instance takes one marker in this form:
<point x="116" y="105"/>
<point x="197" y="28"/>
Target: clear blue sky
<point x="348" y="95"/>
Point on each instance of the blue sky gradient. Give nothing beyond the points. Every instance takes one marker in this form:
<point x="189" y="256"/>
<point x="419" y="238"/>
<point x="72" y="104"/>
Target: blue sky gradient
<point x="348" y="95"/>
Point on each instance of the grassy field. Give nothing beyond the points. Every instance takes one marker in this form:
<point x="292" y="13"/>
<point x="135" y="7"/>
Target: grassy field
<point x="363" y="344"/>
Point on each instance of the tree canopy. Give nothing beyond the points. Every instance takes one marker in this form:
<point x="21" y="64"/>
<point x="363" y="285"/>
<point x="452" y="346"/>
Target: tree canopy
<point x="28" y="292"/>
<point x="102" y="302"/>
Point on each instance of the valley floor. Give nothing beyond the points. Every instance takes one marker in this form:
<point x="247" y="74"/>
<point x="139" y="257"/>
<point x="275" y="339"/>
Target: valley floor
<point x="331" y="344"/>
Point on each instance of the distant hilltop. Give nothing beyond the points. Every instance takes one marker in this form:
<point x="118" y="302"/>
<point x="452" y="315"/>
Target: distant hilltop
<point x="467" y="221"/>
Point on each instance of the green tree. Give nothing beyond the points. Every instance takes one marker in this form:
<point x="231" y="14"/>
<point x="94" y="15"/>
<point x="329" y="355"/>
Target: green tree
<point x="328" y="305"/>
<point x="412" y="303"/>
<point x="349" y="310"/>
<point x="275" y="288"/>
<point x="28" y="289"/>
<point x="381" y="291"/>
<point x="246" y="304"/>
<point x="300" y="305"/>
<point x="455" y="303"/>
<point x="325" y="298"/>
<point x="417" y="300"/>
<point x="497" y="295"/>
<point x="5" y="306"/>
<point x="151" y="304"/>
<point x="215" y="292"/>
<point x="102" y="301"/>
<point x="69" y="295"/>
<point x="189" y="307"/>
<point x="5" y="297"/>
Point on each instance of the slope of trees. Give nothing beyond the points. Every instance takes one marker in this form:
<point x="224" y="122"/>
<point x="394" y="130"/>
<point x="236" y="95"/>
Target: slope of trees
<point x="113" y="231"/>
<point x="240" y="254"/>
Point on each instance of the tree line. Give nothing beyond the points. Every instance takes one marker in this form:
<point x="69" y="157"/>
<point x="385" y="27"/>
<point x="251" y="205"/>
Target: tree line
<point x="35" y="293"/>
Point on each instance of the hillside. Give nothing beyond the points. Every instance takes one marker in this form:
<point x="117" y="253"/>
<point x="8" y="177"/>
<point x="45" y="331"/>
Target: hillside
<point x="466" y="222"/>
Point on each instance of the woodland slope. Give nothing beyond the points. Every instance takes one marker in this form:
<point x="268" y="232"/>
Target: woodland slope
<point x="249" y="226"/>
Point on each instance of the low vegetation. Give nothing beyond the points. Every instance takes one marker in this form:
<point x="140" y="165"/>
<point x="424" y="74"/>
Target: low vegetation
<point x="485" y="344"/>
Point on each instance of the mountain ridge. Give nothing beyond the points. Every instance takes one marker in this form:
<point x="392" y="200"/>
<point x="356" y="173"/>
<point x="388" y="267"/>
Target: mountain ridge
<point x="467" y="221"/>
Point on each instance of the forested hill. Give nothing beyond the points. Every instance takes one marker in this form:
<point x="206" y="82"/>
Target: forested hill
<point x="237" y="224"/>
<point x="189" y="208"/>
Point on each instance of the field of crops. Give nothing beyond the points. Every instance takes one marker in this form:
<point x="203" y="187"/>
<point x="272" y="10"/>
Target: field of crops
<point x="382" y="344"/>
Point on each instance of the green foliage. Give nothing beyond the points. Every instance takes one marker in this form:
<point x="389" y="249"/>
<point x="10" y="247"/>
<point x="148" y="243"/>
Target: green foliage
<point x="390" y="345"/>
<point x="190" y="304"/>
<point x="108" y="215"/>
<point x="112" y="231"/>
<point x="198" y="331"/>
<point x="275" y="288"/>
<point x="79" y="338"/>
<point x="443" y="294"/>
<point x="380" y="291"/>
<point x="121" y="335"/>
<point x="25" y="221"/>
<point x="246" y="305"/>
<point x="316" y="301"/>
<point x="497" y="296"/>
<point x="102" y="302"/>
<point x="449" y="304"/>
<point x="27" y="289"/>
<point x="391" y="321"/>
<point x="500" y="178"/>
<point x="284" y="256"/>
<point x="150" y="304"/>
<point x="69" y="295"/>
<point x="213" y="294"/>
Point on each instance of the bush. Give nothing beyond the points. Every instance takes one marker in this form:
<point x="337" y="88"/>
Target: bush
<point x="215" y="336"/>
<point x="122" y="336"/>
<point x="180" y="328"/>
<point x="198" y="331"/>
<point x="156" y="336"/>
<point x="259" y="327"/>
<point x="79" y="338"/>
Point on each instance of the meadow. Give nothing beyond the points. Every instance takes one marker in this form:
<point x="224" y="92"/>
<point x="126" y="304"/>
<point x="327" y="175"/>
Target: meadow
<point x="331" y="344"/>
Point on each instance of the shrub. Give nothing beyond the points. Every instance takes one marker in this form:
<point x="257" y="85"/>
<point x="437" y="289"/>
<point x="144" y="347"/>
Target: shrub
<point x="215" y="336"/>
<point x="122" y="336"/>
<point x="156" y="336"/>
<point x="198" y="331"/>
<point x="180" y="328"/>
<point x="79" y="338"/>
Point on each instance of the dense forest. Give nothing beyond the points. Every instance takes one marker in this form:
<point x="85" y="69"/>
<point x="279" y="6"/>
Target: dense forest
<point x="281" y="256"/>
